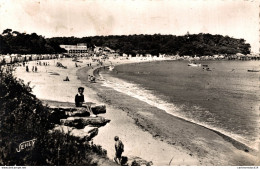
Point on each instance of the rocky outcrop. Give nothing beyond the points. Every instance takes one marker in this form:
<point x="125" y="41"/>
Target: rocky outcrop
<point x="78" y="121"/>
<point x="79" y="111"/>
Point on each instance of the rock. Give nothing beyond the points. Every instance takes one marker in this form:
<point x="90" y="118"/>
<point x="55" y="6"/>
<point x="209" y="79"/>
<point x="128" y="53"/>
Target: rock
<point x="89" y="129"/>
<point x="72" y="123"/>
<point x="62" y="129"/>
<point x="56" y="116"/>
<point x="70" y="111"/>
<point x="81" y="122"/>
<point x="93" y="115"/>
<point x="85" y="134"/>
<point x="78" y="111"/>
<point x="64" y="108"/>
<point x="99" y="109"/>
<point x="137" y="161"/>
<point x="82" y="112"/>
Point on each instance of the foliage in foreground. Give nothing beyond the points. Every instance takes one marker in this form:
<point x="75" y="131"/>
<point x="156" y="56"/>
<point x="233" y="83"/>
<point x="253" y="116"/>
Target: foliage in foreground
<point x="22" y="118"/>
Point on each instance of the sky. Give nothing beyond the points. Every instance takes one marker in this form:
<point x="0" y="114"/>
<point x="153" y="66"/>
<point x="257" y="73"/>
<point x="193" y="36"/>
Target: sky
<point x="80" y="18"/>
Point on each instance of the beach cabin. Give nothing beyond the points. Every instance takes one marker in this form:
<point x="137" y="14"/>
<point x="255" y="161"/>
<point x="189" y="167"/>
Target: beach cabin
<point x="14" y="58"/>
<point x="221" y="56"/>
<point x="20" y="58"/>
<point x="34" y="57"/>
<point x="161" y="55"/>
<point x="1" y="58"/>
<point x="7" y="58"/>
<point x="28" y="57"/>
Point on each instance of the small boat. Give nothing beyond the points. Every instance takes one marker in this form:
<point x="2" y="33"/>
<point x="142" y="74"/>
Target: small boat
<point x="194" y="64"/>
<point x="253" y="70"/>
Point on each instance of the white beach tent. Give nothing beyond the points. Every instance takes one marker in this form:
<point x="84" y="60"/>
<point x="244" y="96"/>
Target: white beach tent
<point x="1" y="58"/>
<point x="240" y="54"/>
<point x="34" y="57"/>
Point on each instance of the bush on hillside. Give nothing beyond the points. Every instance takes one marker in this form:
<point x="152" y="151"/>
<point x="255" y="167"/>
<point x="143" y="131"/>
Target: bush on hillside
<point x="23" y="118"/>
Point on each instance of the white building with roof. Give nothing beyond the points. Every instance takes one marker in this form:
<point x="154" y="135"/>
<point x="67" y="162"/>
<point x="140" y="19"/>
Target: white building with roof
<point x="79" y="48"/>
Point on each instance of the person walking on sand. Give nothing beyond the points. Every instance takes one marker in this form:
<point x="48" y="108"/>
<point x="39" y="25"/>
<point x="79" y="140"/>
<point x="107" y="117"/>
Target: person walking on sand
<point x="119" y="147"/>
<point x="27" y="68"/>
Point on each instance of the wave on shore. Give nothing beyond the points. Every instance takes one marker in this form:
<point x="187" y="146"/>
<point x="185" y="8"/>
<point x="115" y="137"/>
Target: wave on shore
<point x="138" y="92"/>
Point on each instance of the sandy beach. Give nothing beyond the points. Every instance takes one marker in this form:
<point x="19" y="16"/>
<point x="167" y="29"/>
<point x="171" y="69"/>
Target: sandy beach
<point x="171" y="142"/>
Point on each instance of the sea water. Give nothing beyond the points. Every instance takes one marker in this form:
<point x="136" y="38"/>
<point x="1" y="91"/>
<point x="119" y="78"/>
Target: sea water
<point x="225" y="99"/>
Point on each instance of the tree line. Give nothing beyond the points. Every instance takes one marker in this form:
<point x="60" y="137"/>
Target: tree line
<point x="22" y="43"/>
<point x="189" y="44"/>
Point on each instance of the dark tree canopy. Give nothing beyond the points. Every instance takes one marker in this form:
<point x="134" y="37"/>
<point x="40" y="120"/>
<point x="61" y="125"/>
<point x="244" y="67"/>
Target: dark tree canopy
<point x="22" y="43"/>
<point x="189" y="44"/>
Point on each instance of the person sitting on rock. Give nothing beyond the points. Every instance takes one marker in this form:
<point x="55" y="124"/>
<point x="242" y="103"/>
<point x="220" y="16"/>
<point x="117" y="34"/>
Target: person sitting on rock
<point x="79" y="98"/>
<point x="119" y="147"/>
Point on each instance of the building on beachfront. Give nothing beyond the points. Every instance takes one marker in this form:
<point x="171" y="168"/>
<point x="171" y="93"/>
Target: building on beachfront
<point x="97" y="49"/>
<point x="79" y="48"/>
<point x="103" y="50"/>
<point x="108" y="50"/>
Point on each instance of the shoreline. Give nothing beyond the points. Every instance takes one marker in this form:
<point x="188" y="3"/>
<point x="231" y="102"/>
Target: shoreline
<point x="138" y="142"/>
<point x="125" y="127"/>
<point x="236" y="144"/>
<point x="239" y="145"/>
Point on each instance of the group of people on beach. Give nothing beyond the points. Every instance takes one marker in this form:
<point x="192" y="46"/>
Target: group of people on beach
<point x="34" y="68"/>
<point x="91" y="79"/>
<point x="119" y="146"/>
<point x="44" y="63"/>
